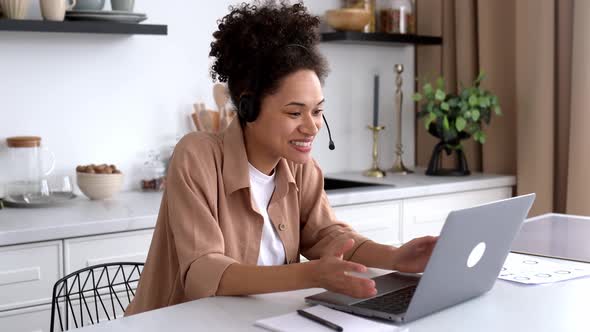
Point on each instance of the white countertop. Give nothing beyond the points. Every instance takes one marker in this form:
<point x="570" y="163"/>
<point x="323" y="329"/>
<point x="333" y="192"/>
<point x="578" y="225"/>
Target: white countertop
<point x="80" y="217"/>
<point x="129" y="211"/>
<point x="412" y="185"/>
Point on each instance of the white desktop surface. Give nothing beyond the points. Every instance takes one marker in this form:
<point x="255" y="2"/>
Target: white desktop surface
<point x="563" y="306"/>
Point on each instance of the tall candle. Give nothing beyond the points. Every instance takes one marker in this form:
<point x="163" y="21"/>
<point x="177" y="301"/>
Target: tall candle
<point x="376" y="101"/>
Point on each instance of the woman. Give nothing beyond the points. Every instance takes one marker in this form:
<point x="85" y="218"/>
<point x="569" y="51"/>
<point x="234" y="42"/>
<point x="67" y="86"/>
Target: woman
<point x="241" y="206"/>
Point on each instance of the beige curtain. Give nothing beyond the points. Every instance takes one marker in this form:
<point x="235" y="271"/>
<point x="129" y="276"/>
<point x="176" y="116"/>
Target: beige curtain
<point x="472" y="41"/>
<point x="578" y="169"/>
<point x="536" y="55"/>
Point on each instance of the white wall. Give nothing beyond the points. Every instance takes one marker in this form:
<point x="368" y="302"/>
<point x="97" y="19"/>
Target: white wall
<point x="108" y="98"/>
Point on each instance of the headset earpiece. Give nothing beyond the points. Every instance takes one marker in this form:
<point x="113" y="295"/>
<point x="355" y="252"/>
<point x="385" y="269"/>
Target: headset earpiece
<point x="247" y="109"/>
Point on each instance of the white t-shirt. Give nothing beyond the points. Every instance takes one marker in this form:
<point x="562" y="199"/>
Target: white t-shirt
<point x="272" y="251"/>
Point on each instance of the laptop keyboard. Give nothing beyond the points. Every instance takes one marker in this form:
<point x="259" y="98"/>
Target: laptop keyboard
<point x="394" y="303"/>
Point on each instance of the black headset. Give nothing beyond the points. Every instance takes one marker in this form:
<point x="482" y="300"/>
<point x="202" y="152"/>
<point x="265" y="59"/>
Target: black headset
<point x="248" y="111"/>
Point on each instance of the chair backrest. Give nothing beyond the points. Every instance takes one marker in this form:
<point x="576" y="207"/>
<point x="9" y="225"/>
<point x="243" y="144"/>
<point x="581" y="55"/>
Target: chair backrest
<point x="93" y="294"/>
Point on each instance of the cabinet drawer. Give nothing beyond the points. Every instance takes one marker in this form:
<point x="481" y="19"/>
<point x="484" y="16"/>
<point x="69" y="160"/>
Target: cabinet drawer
<point x="120" y="247"/>
<point x="28" y="272"/>
<point x="38" y="318"/>
<point x="426" y="215"/>
<point x="378" y="221"/>
<point x="82" y="307"/>
<point x="31" y="319"/>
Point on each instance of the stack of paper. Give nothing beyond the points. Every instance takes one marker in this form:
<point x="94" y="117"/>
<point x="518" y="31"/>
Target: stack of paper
<point x="296" y="323"/>
<point x="535" y="270"/>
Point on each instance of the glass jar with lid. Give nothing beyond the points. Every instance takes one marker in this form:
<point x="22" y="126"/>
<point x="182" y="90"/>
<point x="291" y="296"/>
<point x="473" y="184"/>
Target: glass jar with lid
<point x="154" y="173"/>
<point x="28" y="164"/>
<point x="396" y="16"/>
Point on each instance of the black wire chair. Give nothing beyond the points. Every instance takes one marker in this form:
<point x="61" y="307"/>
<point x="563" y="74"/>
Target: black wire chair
<point x="93" y="294"/>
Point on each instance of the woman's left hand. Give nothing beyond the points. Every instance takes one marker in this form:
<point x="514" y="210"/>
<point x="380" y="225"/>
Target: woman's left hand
<point x="413" y="256"/>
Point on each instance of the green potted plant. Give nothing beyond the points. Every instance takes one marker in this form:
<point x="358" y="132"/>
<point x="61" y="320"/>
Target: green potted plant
<point x="454" y="117"/>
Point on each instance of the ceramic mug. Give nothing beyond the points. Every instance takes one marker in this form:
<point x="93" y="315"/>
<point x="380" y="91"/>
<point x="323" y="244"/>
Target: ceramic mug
<point x="55" y="10"/>
<point x="124" y="5"/>
<point x="14" y="9"/>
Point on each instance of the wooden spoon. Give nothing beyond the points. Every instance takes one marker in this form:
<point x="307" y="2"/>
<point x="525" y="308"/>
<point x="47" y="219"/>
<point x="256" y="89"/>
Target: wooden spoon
<point x="215" y="121"/>
<point x="205" y="119"/>
<point x="195" y="117"/>
<point x="221" y="96"/>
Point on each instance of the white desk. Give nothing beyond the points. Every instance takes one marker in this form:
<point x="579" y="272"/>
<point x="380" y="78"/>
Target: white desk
<point x="508" y="306"/>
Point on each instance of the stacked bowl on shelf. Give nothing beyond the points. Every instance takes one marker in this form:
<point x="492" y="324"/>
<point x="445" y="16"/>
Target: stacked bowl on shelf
<point x="93" y="10"/>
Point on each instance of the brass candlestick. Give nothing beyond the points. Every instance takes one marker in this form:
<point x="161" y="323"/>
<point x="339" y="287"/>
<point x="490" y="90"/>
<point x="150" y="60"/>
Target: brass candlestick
<point x="375" y="171"/>
<point x="398" y="164"/>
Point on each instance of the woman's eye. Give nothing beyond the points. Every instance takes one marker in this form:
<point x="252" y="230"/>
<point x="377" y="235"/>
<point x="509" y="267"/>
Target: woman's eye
<point x="318" y="112"/>
<point x="294" y="114"/>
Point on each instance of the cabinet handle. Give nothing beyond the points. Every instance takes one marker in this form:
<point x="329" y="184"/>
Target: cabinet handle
<point x="138" y="257"/>
<point x="20" y="275"/>
<point x="431" y="219"/>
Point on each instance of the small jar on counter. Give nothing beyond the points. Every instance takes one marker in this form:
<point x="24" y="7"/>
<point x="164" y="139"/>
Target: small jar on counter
<point x="154" y="173"/>
<point x="396" y="16"/>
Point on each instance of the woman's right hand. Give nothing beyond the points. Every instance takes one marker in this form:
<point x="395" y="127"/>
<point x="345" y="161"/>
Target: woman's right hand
<point x="332" y="273"/>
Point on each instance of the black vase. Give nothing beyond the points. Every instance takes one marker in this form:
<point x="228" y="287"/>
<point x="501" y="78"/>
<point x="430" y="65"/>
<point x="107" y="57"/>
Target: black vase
<point x="435" y="163"/>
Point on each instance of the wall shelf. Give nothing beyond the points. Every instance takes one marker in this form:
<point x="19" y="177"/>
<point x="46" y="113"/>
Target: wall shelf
<point x="378" y="38"/>
<point x="83" y="27"/>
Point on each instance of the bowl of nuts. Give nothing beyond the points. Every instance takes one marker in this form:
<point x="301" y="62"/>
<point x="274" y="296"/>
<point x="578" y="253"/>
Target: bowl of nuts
<point x="348" y="19"/>
<point x="99" y="181"/>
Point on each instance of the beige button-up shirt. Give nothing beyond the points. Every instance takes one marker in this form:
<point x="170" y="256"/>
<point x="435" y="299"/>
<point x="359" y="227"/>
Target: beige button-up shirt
<point x="208" y="221"/>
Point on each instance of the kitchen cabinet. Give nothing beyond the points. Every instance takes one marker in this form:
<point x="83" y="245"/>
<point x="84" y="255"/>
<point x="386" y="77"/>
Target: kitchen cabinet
<point x="399" y="221"/>
<point x="28" y="319"/>
<point x="28" y="272"/>
<point x="426" y="215"/>
<point x="104" y="308"/>
<point x="117" y="247"/>
<point x="377" y="221"/>
<point x="38" y="318"/>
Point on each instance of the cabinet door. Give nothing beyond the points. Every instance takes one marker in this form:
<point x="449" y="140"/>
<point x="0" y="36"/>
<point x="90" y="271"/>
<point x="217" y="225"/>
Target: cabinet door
<point x="28" y="272"/>
<point x="119" y="247"/>
<point x="379" y="222"/>
<point x="86" y="311"/>
<point x="426" y="215"/>
<point x="31" y="319"/>
<point x="38" y="318"/>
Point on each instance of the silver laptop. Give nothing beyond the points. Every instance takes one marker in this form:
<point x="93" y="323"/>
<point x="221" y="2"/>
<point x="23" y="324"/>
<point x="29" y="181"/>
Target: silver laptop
<point x="465" y="263"/>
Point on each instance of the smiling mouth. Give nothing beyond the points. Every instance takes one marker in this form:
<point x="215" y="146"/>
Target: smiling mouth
<point x="305" y="144"/>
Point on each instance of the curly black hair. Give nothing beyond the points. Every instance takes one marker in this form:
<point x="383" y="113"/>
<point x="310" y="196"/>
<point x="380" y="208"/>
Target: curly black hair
<point x="256" y="46"/>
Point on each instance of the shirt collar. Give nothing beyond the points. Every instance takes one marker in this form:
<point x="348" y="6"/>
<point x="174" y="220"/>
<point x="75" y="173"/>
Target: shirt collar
<point x="235" y="165"/>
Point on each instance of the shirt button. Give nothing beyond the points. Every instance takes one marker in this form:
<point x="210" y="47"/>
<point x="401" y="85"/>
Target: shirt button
<point x="282" y="227"/>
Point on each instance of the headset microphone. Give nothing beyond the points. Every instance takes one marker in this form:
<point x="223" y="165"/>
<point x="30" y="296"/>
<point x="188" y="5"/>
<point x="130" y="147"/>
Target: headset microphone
<point x="331" y="144"/>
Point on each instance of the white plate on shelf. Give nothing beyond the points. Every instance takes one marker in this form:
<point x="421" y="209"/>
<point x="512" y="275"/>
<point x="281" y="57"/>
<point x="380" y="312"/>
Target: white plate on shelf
<point x="104" y="12"/>
<point x="103" y="15"/>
